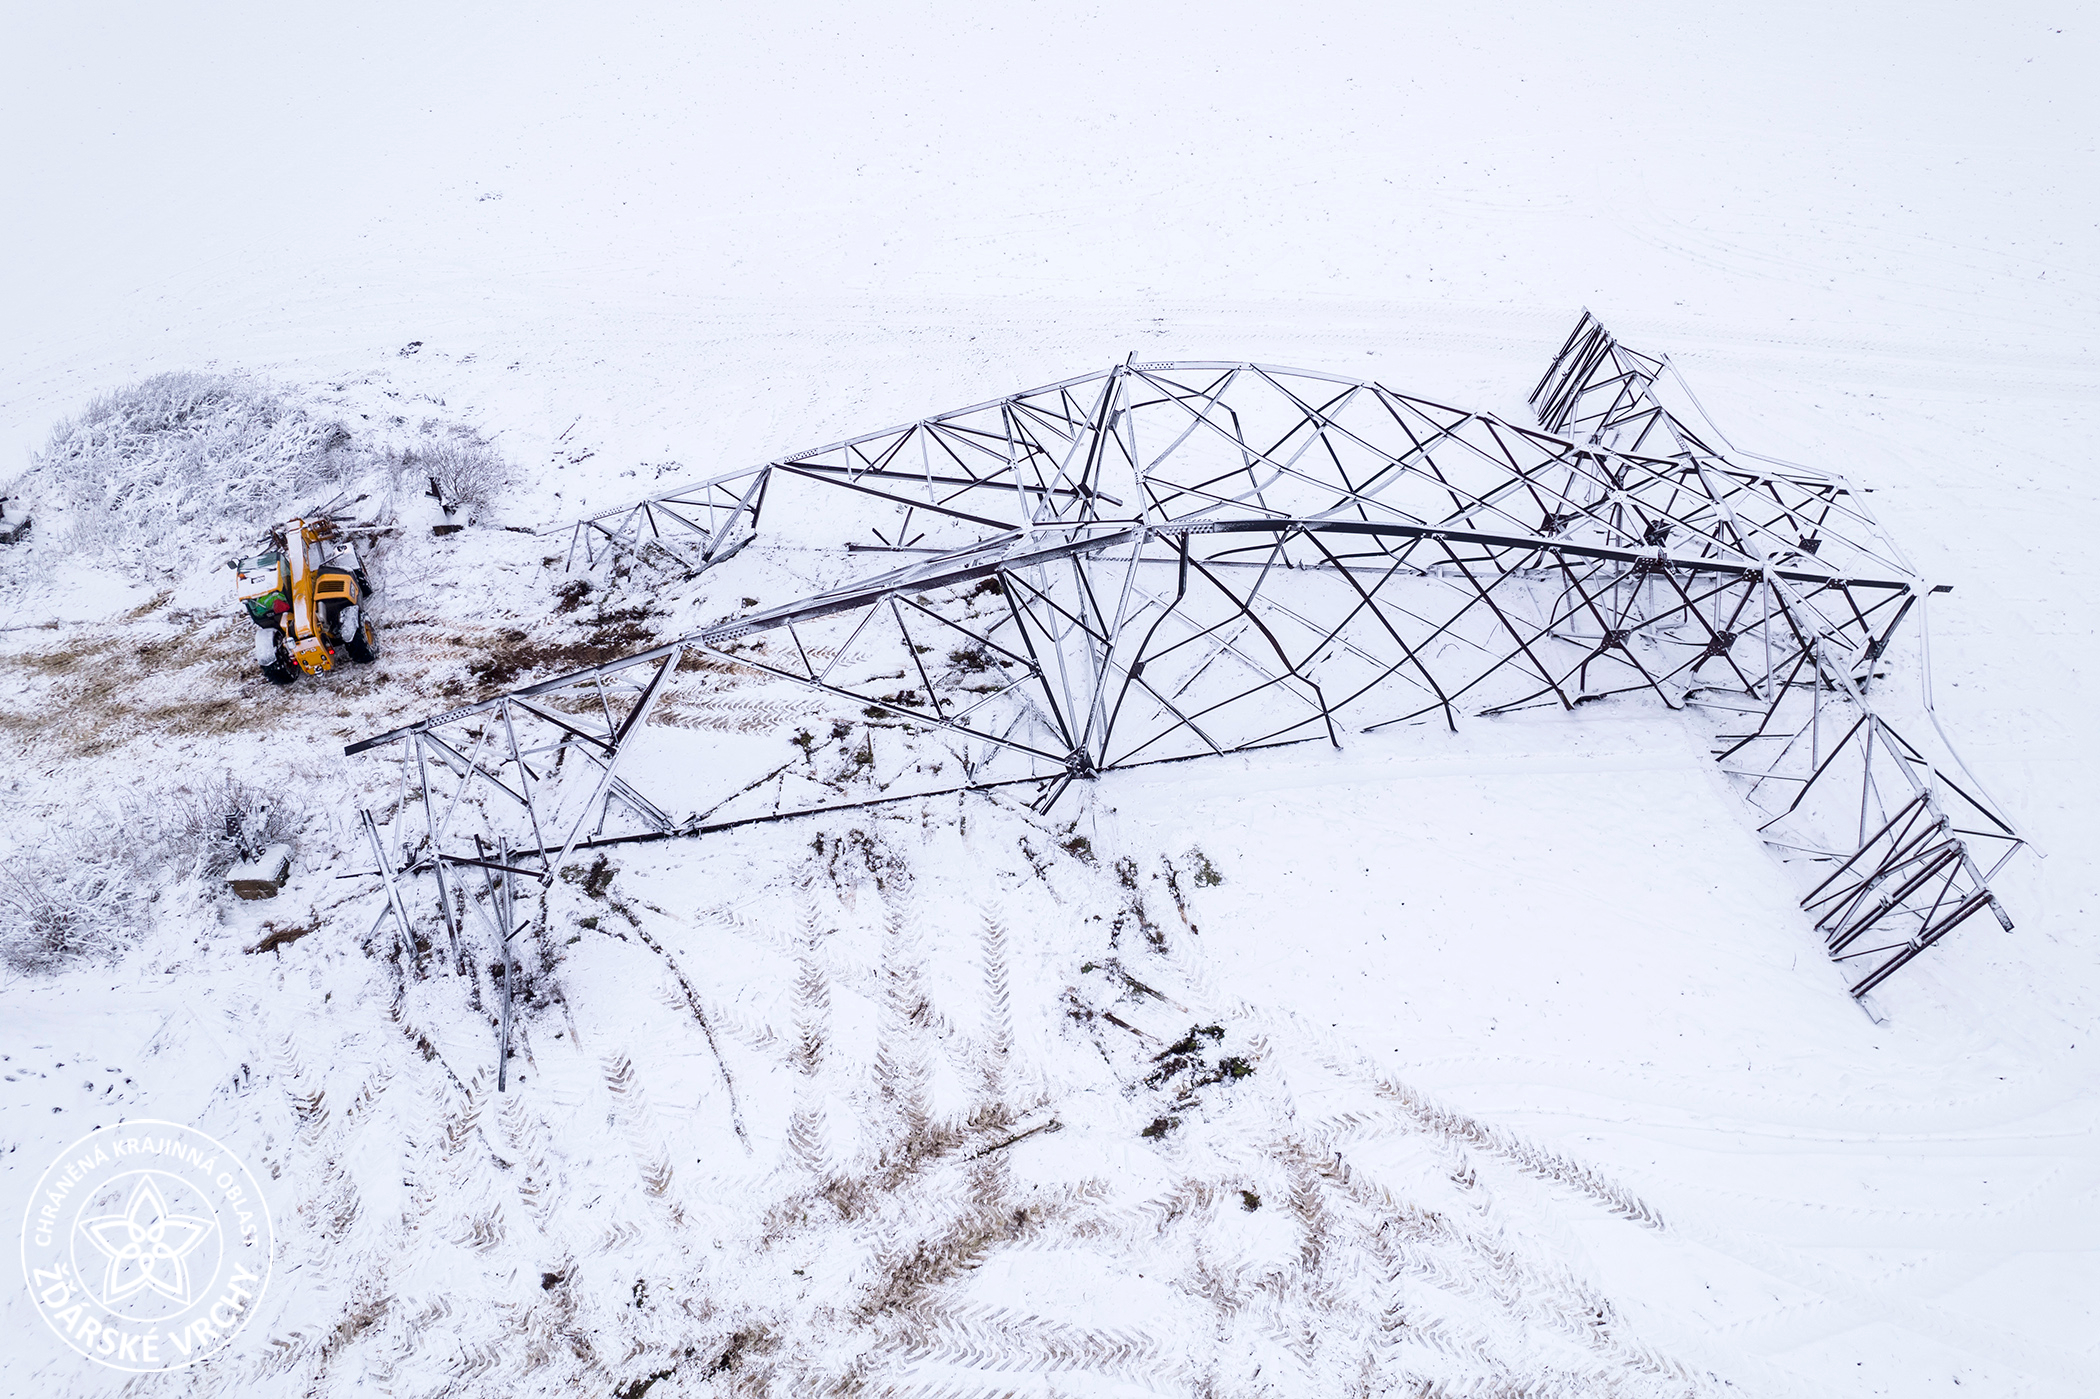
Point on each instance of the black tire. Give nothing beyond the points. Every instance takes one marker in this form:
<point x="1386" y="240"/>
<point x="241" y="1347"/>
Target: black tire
<point x="363" y="647"/>
<point x="283" y="670"/>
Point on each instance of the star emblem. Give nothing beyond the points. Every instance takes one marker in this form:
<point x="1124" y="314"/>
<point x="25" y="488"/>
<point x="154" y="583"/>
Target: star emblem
<point x="147" y="1246"/>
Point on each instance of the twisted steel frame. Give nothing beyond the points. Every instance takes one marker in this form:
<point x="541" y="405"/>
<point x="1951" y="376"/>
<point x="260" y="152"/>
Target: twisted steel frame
<point x="1163" y="561"/>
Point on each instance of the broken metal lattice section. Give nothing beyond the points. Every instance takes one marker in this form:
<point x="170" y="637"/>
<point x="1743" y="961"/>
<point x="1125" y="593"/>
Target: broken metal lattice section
<point x="1909" y="843"/>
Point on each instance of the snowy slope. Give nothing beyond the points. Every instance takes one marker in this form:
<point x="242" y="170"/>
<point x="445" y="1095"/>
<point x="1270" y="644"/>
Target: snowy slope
<point x="1551" y="1086"/>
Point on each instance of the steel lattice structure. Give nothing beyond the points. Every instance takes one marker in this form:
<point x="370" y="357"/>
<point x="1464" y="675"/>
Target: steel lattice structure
<point x="1164" y="561"/>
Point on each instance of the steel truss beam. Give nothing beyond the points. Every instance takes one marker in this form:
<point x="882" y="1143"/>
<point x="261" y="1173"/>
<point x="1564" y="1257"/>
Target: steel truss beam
<point x="1165" y="561"/>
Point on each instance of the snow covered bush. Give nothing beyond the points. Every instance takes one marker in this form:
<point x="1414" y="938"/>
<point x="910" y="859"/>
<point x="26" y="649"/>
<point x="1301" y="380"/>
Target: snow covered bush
<point x="149" y="471"/>
<point x="106" y="878"/>
<point x="466" y="472"/>
<point x="222" y="823"/>
<point x="59" y="906"/>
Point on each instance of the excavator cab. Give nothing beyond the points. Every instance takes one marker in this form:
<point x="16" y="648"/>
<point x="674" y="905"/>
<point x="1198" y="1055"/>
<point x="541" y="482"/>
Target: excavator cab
<point x="264" y="585"/>
<point x="306" y="597"/>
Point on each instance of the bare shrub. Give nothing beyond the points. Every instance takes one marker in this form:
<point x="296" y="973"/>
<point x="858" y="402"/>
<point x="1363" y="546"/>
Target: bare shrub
<point x="466" y="472"/>
<point x="222" y="823"/>
<point x="149" y="471"/>
<point x="54" y="911"/>
<point x="96" y="885"/>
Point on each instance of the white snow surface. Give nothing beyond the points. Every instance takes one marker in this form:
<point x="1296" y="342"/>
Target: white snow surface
<point x="1553" y="1091"/>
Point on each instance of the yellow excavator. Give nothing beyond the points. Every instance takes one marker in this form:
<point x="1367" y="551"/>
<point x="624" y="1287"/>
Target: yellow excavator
<point x="305" y="593"/>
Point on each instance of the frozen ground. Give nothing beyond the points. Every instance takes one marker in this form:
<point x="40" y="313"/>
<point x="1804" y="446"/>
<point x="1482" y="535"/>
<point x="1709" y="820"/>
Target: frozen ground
<point x="1552" y="1091"/>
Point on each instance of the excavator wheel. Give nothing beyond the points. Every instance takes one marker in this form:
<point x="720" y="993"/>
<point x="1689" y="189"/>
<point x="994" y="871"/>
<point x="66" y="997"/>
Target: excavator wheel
<point x="364" y="647"/>
<point x="283" y="670"/>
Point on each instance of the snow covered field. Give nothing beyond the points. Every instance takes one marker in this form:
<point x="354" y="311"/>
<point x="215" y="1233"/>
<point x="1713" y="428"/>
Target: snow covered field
<point x="1551" y="1088"/>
